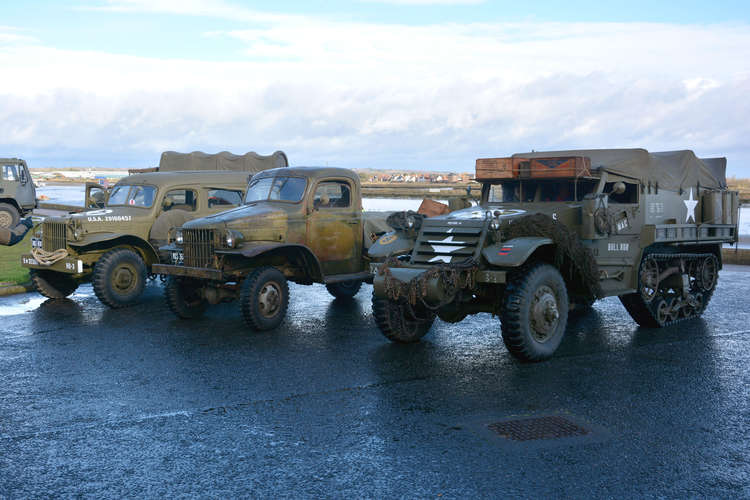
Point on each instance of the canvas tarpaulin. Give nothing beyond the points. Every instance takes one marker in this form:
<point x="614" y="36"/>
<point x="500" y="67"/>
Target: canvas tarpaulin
<point x="172" y="161"/>
<point x="673" y="170"/>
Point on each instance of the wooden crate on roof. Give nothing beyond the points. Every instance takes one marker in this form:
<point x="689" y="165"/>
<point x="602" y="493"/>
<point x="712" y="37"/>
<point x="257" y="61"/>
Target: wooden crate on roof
<point x="560" y="167"/>
<point x="495" y="168"/>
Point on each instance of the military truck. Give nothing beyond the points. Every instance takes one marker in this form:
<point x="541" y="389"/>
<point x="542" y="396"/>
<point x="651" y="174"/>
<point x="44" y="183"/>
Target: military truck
<point x="300" y="224"/>
<point x="116" y="245"/>
<point x="17" y="192"/>
<point x="554" y="232"/>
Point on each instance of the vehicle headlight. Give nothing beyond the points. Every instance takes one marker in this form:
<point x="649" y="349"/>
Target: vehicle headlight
<point x="232" y="238"/>
<point x="495" y="224"/>
<point x="178" y="237"/>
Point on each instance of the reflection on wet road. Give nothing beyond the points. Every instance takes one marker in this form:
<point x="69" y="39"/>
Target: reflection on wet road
<point x="102" y="402"/>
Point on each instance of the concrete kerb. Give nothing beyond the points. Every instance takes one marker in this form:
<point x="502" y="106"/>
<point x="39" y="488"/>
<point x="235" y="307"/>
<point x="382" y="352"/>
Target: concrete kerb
<point x="15" y="289"/>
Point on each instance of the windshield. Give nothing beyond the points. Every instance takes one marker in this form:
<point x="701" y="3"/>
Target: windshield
<point x="560" y="190"/>
<point x="133" y="196"/>
<point x="276" y="189"/>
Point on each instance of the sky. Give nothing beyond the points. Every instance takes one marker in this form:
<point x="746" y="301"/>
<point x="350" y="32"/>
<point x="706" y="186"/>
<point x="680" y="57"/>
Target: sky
<point x="406" y="84"/>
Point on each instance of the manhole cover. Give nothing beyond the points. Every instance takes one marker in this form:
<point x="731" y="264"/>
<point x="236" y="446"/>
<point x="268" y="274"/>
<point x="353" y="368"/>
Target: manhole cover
<point x="532" y="429"/>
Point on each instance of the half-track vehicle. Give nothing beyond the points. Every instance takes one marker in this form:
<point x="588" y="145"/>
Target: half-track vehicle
<point x="115" y="245"/>
<point x="17" y="192"/>
<point x="299" y="224"/>
<point x="554" y="232"/>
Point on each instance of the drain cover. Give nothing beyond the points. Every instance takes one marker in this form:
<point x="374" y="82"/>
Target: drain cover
<point x="532" y="429"/>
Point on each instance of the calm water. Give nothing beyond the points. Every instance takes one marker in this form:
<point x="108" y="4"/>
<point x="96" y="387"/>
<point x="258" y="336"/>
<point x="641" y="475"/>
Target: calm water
<point x="73" y="195"/>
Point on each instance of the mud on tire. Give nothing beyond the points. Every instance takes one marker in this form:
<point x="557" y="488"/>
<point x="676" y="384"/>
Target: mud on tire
<point x="345" y="289"/>
<point x="397" y="322"/>
<point x="119" y="277"/>
<point x="264" y="298"/>
<point x="183" y="298"/>
<point x="53" y="285"/>
<point x="535" y="312"/>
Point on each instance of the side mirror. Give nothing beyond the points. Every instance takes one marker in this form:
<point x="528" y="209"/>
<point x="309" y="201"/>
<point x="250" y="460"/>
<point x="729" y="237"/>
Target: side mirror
<point x="618" y="188"/>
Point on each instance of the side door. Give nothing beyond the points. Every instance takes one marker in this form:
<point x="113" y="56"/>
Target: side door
<point x="178" y="206"/>
<point x="26" y="196"/>
<point x="96" y="195"/>
<point x="334" y="226"/>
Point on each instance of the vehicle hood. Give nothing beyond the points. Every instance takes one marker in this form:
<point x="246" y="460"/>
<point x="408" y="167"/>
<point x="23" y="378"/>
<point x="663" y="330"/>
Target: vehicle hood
<point x="256" y="222"/>
<point x="108" y="220"/>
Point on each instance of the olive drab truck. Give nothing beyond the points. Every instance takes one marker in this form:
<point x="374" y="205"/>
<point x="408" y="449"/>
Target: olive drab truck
<point x="115" y="243"/>
<point x="17" y="192"/>
<point x="554" y="232"/>
<point x="299" y="224"/>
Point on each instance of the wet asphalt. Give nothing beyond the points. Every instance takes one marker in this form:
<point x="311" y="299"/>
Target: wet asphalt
<point x="109" y="403"/>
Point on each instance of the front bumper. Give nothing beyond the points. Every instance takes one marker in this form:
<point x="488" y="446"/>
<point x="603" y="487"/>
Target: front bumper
<point x="68" y="265"/>
<point x="434" y="287"/>
<point x="188" y="272"/>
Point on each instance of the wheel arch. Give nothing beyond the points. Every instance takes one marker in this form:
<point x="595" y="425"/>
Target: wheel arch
<point x="298" y="256"/>
<point x="144" y="248"/>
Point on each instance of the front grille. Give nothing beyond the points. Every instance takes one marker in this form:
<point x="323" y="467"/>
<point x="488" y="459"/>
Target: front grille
<point x="53" y="236"/>
<point x="198" y="247"/>
<point x="448" y="241"/>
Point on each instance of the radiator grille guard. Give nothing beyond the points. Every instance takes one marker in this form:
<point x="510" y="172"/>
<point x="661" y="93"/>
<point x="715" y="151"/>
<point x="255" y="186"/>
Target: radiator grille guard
<point x="198" y="247"/>
<point x="442" y="242"/>
<point x="53" y="236"/>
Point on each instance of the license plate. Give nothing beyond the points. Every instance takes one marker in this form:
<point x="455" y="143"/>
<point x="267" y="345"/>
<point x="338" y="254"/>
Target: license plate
<point x="178" y="258"/>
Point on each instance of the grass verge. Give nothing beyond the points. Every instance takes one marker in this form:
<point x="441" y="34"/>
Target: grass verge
<point x="11" y="270"/>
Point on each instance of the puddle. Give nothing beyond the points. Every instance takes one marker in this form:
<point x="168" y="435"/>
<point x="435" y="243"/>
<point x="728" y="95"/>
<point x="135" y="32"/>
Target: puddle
<point x="19" y="304"/>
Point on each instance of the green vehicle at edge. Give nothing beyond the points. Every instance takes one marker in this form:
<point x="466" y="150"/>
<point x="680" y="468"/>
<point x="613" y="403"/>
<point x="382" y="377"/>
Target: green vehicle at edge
<point x="116" y="244"/>
<point x="17" y="191"/>
<point x="555" y="231"/>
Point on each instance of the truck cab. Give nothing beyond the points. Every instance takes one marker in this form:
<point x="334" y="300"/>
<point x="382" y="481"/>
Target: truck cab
<point x="17" y="191"/>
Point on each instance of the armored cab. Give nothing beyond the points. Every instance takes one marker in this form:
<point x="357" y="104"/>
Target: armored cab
<point x="17" y="191"/>
<point x="552" y="233"/>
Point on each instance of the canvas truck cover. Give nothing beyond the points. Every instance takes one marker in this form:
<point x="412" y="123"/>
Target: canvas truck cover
<point x="673" y="170"/>
<point x="172" y="161"/>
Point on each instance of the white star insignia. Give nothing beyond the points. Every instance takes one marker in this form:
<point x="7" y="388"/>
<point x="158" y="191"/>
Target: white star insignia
<point x="443" y="248"/>
<point x="690" y="205"/>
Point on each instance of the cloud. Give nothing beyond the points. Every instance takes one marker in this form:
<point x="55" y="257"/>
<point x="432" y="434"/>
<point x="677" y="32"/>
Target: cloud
<point x="366" y="94"/>
<point x="427" y="2"/>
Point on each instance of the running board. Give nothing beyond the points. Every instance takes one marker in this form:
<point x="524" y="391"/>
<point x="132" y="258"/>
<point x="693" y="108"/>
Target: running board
<point x="340" y="278"/>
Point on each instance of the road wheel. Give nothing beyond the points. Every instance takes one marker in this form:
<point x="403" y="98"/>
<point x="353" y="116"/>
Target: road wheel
<point x="264" y="298"/>
<point x="398" y="323"/>
<point x="183" y="298"/>
<point x="535" y="313"/>
<point x="51" y="284"/>
<point x="345" y="289"/>
<point x="119" y="277"/>
<point x="9" y="216"/>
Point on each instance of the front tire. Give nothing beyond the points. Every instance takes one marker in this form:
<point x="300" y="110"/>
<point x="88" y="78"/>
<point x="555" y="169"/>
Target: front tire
<point x="397" y="322"/>
<point x="119" y="277"/>
<point x="53" y="285"/>
<point x="264" y="298"/>
<point x="535" y="313"/>
<point x="345" y="289"/>
<point x="184" y="300"/>
<point x="9" y="216"/>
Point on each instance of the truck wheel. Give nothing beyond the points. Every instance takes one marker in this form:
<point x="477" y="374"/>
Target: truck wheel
<point x="119" y="277"/>
<point x="264" y="298"/>
<point x="183" y="298"/>
<point x="9" y="216"/>
<point x="345" y="289"/>
<point x="535" y="313"/>
<point x="397" y="322"/>
<point x="51" y="284"/>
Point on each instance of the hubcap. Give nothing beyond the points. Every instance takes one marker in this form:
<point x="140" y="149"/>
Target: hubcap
<point x="544" y="313"/>
<point x="124" y="278"/>
<point x="269" y="299"/>
<point x="5" y="219"/>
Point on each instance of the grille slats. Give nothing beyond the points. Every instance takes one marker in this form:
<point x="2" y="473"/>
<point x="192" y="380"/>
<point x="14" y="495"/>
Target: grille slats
<point x="198" y="247"/>
<point x="442" y="242"/>
<point x="53" y="236"/>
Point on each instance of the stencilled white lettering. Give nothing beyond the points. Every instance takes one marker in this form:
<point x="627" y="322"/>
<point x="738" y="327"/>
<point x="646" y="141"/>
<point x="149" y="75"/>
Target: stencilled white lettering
<point x="618" y="247"/>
